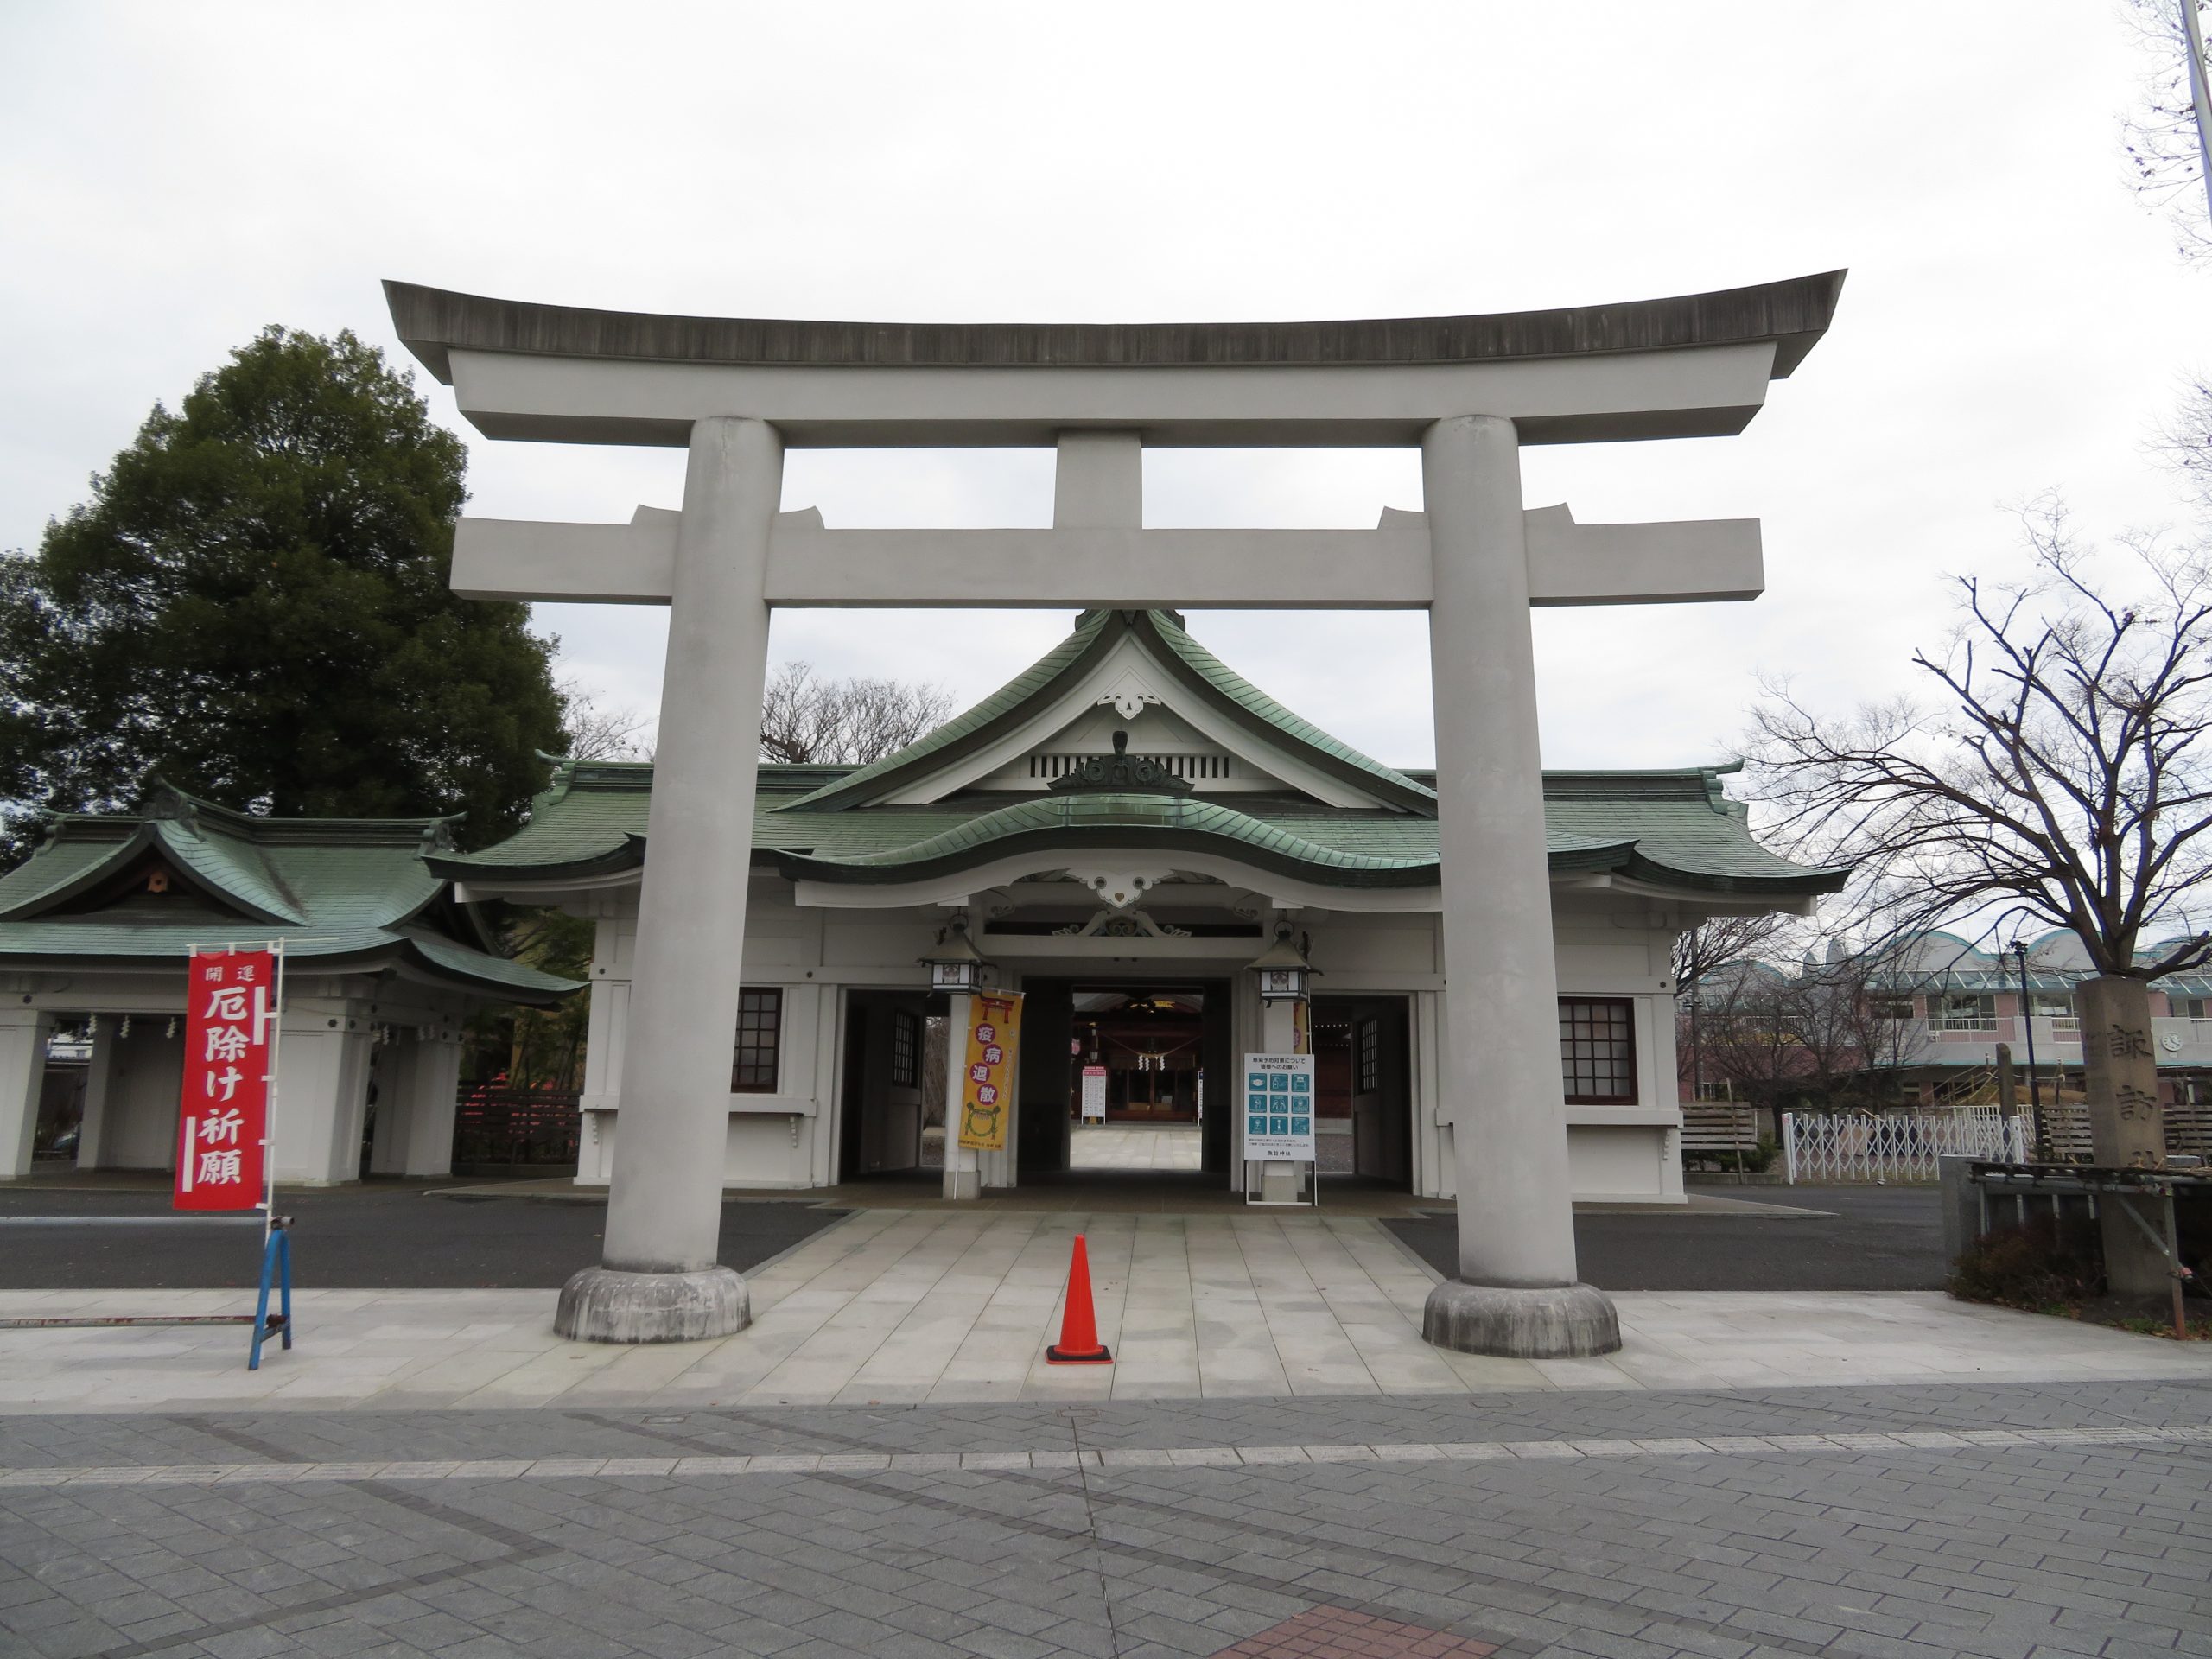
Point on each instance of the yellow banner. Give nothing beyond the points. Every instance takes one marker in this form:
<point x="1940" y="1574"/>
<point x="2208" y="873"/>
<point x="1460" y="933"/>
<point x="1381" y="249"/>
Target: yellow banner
<point x="987" y="1091"/>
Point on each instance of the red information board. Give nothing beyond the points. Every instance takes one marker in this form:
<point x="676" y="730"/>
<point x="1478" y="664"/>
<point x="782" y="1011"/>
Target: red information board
<point x="223" y="1128"/>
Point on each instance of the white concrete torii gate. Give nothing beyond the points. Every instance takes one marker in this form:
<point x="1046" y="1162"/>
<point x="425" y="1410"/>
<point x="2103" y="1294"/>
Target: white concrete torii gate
<point x="1469" y="390"/>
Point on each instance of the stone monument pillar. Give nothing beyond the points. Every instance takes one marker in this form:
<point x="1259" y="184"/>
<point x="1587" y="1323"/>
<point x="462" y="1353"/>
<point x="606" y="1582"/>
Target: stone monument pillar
<point x="2127" y="1123"/>
<point x="1516" y="1292"/>
<point x="660" y="1279"/>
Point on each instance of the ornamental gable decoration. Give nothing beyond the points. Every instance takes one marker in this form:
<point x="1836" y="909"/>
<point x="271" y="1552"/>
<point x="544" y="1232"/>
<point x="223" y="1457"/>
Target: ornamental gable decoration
<point x="223" y="1124"/>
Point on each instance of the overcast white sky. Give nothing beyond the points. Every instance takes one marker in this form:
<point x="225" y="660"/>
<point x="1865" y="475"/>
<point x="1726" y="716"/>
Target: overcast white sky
<point x="174" y="178"/>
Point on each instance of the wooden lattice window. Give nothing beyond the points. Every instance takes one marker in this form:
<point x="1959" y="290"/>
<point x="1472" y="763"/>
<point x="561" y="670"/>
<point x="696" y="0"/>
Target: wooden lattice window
<point x="905" y="1049"/>
<point x="1370" y="1057"/>
<point x="759" y="1036"/>
<point x="1597" y="1050"/>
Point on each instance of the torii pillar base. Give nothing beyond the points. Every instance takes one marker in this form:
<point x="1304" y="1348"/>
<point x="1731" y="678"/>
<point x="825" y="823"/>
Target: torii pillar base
<point x="1562" y="1322"/>
<point x="606" y="1305"/>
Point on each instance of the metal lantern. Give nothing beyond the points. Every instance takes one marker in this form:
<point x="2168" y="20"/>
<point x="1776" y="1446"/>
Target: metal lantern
<point x="1285" y="974"/>
<point x="956" y="964"/>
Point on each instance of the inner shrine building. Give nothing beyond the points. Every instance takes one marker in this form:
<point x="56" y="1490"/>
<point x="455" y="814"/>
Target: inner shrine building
<point x="1127" y="910"/>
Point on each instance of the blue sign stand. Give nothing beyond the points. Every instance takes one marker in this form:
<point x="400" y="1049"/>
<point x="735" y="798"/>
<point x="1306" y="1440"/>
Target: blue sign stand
<point x="1279" y="1101"/>
<point x="276" y="1260"/>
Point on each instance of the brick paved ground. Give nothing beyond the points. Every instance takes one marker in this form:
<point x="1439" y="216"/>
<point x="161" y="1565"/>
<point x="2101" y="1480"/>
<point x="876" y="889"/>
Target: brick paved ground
<point x="2086" y="1536"/>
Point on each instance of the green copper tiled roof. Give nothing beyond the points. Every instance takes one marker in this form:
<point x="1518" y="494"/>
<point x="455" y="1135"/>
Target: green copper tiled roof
<point x="343" y="892"/>
<point x="978" y="725"/>
<point x="1263" y="710"/>
<point x="1672" y="827"/>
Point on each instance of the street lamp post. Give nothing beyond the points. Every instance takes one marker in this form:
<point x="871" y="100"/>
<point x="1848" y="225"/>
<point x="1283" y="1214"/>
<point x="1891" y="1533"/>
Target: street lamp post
<point x="957" y="969"/>
<point x="2028" y="1025"/>
<point x="2200" y="92"/>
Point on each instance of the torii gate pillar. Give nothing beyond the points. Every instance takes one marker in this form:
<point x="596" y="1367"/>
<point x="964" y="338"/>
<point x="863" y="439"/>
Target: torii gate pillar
<point x="660" y="1279"/>
<point x="1515" y="1292"/>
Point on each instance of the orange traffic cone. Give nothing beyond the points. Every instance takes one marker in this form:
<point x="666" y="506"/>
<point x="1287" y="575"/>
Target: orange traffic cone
<point x="1078" y="1343"/>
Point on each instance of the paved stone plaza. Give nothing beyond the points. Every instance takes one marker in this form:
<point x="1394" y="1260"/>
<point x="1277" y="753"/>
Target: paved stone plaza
<point x="2004" y="1521"/>
<point x="1133" y="1145"/>
<point x="955" y="1306"/>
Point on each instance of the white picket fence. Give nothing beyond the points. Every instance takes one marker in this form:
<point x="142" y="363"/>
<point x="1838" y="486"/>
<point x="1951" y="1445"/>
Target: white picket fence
<point x="1854" y="1146"/>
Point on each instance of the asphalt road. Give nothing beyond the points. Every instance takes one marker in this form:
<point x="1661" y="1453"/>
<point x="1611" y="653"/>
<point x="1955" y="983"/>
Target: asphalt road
<point x="372" y="1238"/>
<point x="1878" y="1239"/>
<point x="395" y="1236"/>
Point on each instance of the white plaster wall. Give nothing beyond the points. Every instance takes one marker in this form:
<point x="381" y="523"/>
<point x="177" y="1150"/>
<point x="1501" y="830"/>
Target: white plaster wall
<point x="1608" y="945"/>
<point x="323" y="1091"/>
<point x="418" y="1083"/>
<point x="144" y="1091"/>
<point x="23" y="1034"/>
<point x="323" y="1064"/>
<point x="1628" y="1163"/>
<point x="99" y="1096"/>
<point x="784" y="1139"/>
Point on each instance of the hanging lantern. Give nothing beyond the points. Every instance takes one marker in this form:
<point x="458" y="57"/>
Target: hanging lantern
<point x="1285" y="974"/>
<point x="956" y="964"/>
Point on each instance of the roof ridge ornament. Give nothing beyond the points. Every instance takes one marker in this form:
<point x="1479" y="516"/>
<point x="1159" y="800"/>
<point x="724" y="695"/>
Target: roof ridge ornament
<point x="164" y="801"/>
<point x="1120" y="772"/>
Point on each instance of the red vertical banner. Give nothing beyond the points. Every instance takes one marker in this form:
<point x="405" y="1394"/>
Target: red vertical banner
<point x="223" y="1127"/>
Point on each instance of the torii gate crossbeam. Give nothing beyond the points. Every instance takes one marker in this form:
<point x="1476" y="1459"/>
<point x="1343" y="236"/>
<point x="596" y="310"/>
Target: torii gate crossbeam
<point x="1468" y="390"/>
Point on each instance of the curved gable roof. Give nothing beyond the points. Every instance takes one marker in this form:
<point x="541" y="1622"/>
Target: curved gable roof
<point x="350" y="892"/>
<point x="1673" y="829"/>
<point x="1160" y="634"/>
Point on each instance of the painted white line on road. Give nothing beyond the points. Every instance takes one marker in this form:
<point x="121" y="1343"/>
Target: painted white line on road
<point x="1106" y="1460"/>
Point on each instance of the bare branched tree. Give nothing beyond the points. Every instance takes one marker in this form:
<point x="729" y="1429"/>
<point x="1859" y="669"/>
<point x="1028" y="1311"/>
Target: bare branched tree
<point x="2164" y="148"/>
<point x="854" y="721"/>
<point x="2184" y="442"/>
<point x="600" y="731"/>
<point x="1716" y="942"/>
<point x="1876" y="994"/>
<point x="2061" y="780"/>
<point x="1719" y="940"/>
<point x="1777" y="1037"/>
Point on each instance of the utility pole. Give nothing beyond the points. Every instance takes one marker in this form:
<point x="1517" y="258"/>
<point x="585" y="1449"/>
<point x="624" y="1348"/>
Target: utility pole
<point x="1697" y="1055"/>
<point x="2199" y="93"/>
<point x="2028" y="1019"/>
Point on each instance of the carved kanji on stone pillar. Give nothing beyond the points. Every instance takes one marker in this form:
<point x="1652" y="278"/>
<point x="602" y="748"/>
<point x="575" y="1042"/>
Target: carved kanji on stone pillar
<point x="2126" y="1123"/>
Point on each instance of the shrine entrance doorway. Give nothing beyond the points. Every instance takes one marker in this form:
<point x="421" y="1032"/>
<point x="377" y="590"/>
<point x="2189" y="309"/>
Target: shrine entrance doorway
<point x="892" y="1105"/>
<point x="1150" y="1057"/>
<point x="1363" y="1064"/>
<point x="1148" y="1044"/>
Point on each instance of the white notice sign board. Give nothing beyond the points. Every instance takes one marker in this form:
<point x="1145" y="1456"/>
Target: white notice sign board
<point x="1094" y="1094"/>
<point x="1279" y="1108"/>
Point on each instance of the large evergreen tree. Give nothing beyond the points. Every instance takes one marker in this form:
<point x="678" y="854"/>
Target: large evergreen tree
<point x="254" y="605"/>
